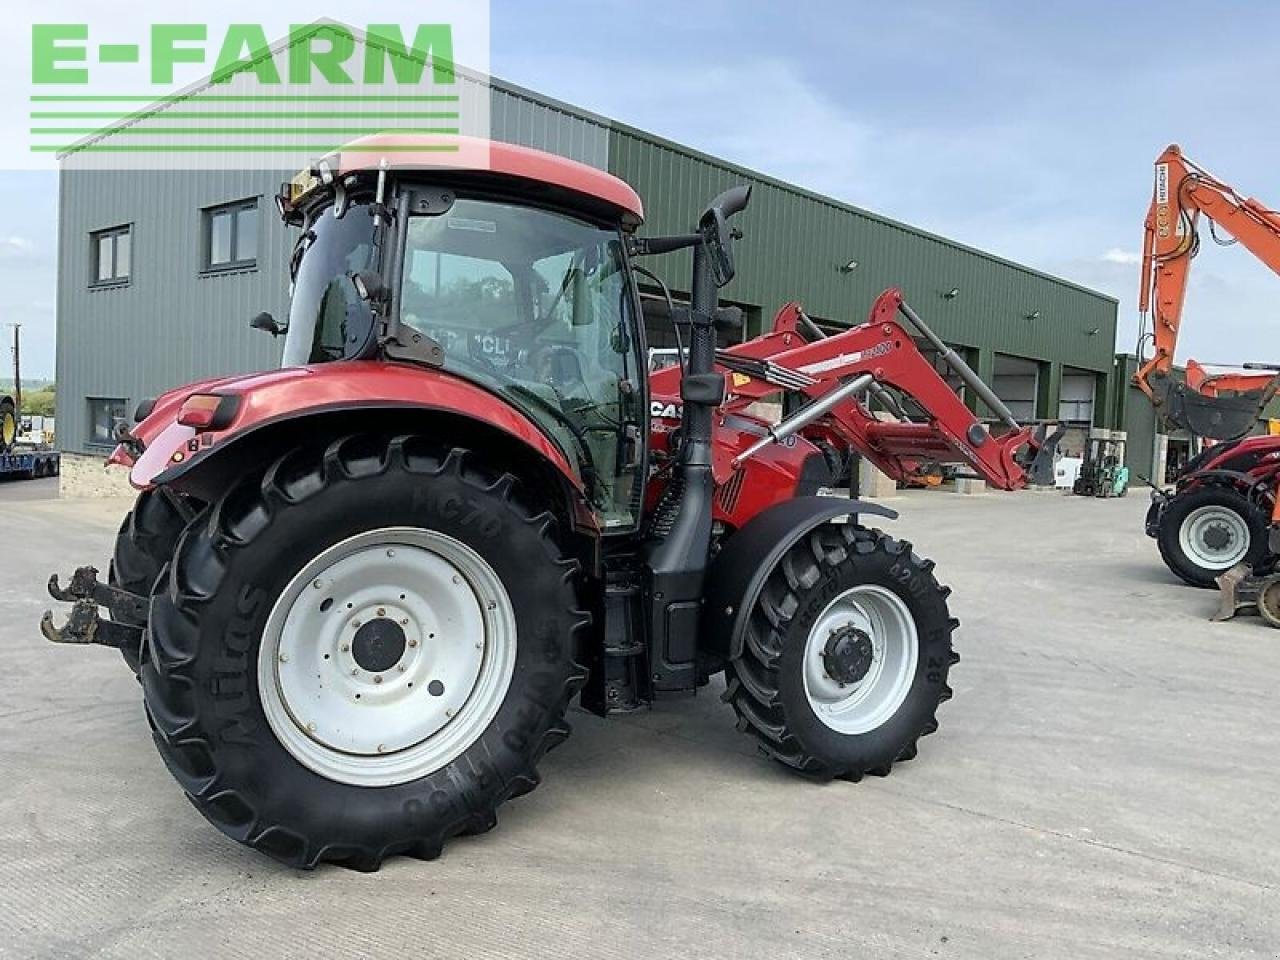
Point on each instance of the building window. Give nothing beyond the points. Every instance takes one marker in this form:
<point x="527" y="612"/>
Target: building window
<point x="104" y="414"/>
<point x="231" y="236"/>
<point x="109" y="255"/>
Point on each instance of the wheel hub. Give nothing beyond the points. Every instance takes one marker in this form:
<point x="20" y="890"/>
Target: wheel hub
<point x="386" y="656"/>
<point x="378" y="645"/>
<point x="1216" y="537"/>
<point x="860" y="659"/>
<point x="848" y="654"/>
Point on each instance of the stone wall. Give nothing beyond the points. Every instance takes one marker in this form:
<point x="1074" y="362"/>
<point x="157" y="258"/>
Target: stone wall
<point x="84" y="475"/>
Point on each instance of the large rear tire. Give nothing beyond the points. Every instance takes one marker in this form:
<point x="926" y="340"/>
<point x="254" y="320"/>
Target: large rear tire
<point x="145" y="542"/>
<point x="846" y="655"/>
<point x="364" y="652"/>
<point x="1207" y="530"/>
<point x="8" y="424"/>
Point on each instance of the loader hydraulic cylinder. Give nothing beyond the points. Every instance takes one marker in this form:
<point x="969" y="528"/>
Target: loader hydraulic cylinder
<point x="806" y="415"/>
<point x="962" y="369"/>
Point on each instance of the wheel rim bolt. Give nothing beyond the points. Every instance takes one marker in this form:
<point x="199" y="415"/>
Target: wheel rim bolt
<point x="318" y="585"/>
<point x="404" y="621"/>
<point x="284" y="658"/>
<point x="413" y="643"/>
<point x="382" y="612"/>
<point x="355" y="623"/>
<point x="346" y="647"/>
<point x="402" y="668"/>
<point x="377" y="679"/>
<point x="391" y="553"/>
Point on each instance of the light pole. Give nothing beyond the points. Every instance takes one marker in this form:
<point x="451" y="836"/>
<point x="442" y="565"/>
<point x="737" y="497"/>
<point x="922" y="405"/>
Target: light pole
<point x="17" y="370"/>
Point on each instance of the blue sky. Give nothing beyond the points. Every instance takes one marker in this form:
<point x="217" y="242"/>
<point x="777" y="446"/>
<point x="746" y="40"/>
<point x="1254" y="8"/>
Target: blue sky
<point x="1027" y="129"/>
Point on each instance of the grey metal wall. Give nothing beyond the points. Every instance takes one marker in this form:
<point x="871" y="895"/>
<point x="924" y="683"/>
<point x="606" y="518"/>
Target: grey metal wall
<point x="520" y="116"/>
<point x="170" y="324"/>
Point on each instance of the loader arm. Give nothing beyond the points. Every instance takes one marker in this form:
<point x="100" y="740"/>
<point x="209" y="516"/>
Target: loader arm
<point x="1223" y="406"/>
<point x="883" y="354"/>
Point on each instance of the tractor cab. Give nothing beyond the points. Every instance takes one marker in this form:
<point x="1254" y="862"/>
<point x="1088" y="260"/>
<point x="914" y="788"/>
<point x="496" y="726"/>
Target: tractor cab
<point x="526" y="294"/>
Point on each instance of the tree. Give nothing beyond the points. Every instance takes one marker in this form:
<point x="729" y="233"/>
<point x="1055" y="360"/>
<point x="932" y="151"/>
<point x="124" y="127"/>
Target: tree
<point x="39" y="403"/>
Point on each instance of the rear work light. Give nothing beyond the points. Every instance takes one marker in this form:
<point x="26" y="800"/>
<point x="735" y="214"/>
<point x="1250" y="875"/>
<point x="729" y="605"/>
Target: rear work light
<point x="208" y="411"/>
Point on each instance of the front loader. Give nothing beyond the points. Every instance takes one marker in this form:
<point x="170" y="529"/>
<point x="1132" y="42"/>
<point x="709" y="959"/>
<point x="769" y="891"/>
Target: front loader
<point x="361" y="591"/>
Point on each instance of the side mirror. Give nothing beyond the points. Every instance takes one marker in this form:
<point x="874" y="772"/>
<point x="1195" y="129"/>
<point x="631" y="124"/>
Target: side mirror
<point x="716" y="235"/>
<point x="267" y="323"/>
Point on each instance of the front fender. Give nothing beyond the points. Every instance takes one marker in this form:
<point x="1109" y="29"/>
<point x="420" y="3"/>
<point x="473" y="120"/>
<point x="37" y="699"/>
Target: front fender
<point x="739" y="571"/>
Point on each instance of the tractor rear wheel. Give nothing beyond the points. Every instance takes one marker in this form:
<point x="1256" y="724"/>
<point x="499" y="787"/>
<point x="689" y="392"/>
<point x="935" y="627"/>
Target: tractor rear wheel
<point x="846" y="655"/>
<point x="363" y="652"/>
<point x="144" y="544"/>
<point x="1207" y="530"/>
<point x="8" y="424"/>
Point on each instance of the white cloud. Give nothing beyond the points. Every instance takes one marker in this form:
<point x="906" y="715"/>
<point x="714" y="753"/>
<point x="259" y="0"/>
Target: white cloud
<point x="15" y="246"/>
<point x="1116" y="255"/>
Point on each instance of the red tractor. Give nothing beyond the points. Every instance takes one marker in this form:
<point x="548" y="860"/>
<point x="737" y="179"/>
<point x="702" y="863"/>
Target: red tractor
<point x="1220" y="512"/>
<point x="361" y="591"/>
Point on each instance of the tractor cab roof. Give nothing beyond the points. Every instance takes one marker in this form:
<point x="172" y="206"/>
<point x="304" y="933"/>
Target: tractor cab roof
<point x="484" y="162"/>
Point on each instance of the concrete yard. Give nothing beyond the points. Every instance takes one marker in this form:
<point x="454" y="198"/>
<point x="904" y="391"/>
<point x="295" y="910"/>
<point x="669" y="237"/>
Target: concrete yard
<point x="1105" y="783"/>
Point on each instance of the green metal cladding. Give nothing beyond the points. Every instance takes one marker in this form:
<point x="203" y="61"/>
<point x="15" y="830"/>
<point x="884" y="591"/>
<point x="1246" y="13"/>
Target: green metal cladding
<point x="797" y="241"/>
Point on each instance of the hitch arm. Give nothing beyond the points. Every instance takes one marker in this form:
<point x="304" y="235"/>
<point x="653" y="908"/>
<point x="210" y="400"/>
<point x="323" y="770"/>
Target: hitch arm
<point x="85" y="585"/>
<point x="85" y="593"/>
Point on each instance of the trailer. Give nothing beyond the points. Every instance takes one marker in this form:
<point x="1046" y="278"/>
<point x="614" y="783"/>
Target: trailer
<point x="20" y="464"/>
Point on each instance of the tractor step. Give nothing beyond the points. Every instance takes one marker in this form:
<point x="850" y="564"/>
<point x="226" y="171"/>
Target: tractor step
<point x="85" y="594"/>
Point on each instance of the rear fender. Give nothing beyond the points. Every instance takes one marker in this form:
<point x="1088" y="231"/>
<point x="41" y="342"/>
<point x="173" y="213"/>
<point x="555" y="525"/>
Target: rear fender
<point x="213" y="471"/>
<point x="748" y="556"/>
<point x="363" y="388"/>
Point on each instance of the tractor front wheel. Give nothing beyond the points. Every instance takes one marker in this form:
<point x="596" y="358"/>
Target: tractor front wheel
<point x="363" y="652"/>
<point x="846" y="655"/>
<point x="1207" y="530"/>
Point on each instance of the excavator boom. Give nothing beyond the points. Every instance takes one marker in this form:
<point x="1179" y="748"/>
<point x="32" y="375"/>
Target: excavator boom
<point x="1222" y="406"/>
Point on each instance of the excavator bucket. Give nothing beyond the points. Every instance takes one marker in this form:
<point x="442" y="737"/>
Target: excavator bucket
<point x="1239" y="589"/>
<point x="1224" y="417"/>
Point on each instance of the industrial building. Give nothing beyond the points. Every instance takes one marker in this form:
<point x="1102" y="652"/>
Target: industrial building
<point x="160" y="271"/>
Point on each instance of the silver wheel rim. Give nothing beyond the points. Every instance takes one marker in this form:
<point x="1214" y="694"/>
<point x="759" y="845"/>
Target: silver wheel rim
<point x="384" y="707"/>
<point x="1214" y="537"/>
<point x="866" y="704"/>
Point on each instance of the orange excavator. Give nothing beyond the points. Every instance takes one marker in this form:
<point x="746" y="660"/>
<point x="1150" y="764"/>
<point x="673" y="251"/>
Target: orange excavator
<point x="1220" y="406"/>
<point x="1220" y="524"/>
